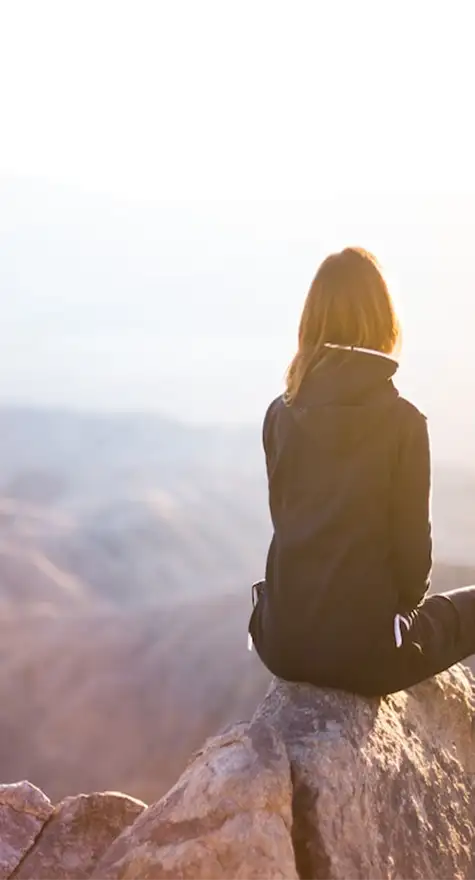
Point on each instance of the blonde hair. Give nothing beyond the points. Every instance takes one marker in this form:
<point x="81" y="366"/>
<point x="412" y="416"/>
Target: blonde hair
<point x="348" y="304"/>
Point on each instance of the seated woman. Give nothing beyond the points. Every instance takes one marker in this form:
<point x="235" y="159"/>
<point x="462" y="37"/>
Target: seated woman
<point x="344" y="602"/>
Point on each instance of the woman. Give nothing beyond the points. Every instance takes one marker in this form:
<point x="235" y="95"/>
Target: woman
<point x="343" y="602"/>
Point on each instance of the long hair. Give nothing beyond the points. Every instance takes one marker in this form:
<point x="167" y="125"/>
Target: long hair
<point x="348" y="304"/>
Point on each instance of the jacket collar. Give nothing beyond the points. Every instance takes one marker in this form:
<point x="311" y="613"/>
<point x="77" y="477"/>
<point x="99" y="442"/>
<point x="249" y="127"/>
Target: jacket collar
<point x="359" y="348"/>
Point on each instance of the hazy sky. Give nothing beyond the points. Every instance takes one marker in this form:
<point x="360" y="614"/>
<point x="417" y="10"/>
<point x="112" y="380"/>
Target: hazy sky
<point x="171" y="173"/>
<point x="252" y="100"/>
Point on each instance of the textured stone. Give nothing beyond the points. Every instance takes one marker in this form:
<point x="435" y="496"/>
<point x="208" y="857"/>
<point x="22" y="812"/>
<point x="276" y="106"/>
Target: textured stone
<point x="79" y="832"/>
<point x="381" y="788"/>
<point x="24" y="809"/>
<point x="321" y="784"/>
<point x="229" y="816"/>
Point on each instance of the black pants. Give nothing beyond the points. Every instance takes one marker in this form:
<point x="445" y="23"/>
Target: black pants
<point x="441" y="633"/>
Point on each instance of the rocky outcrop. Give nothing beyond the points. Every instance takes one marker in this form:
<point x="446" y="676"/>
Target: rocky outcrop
<point x="40" y="841"/>
<point x="319" y="784"/>
<point x="24" y="810"/>
<point x="229" y="816"/>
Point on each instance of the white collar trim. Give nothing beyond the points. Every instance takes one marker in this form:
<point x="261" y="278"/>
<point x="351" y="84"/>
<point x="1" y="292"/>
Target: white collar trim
<point x="357" y="348"/>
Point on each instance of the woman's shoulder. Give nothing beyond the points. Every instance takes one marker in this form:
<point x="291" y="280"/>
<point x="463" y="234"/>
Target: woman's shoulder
<point x="409" y="411"/>
<point x="412" y="427"/>
<point x="270" y="418"/>
<point x="273" y="407"/>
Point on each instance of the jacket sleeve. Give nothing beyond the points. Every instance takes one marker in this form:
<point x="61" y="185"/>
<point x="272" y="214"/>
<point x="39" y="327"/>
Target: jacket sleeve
<point x="412" y="534"/>
<point x="267" y="432"/>
<point x="269" y="443"/>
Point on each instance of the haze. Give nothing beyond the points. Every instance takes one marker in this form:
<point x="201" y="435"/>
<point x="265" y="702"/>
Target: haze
<point x="172" y="173"/>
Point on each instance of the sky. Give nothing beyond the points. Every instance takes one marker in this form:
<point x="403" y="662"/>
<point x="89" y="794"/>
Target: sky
<point x="256" y="99"/>
<point x="171" y="173"/>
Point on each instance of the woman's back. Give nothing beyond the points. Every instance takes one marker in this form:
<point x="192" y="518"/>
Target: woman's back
<point x="348" y="463"/>
<point x="342" y="563"/>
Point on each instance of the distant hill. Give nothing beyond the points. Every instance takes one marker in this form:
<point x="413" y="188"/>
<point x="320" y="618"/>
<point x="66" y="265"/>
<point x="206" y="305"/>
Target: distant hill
<point x="120" y="700"/>
<point x="130" y="508"/>
<point x="127" y="547"/>
<point x="126" y="508"/>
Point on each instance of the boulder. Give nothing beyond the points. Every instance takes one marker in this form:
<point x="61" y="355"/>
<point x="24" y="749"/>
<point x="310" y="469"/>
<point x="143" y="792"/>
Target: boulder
<point x="40" y="841"/>
<point x="24" y="809"/>
<point x="319" y="784"/>
<point x="229" y="816"/>
<point x="78" y="832"/>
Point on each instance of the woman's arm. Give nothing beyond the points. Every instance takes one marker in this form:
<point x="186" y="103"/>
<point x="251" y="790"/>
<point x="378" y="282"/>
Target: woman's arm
<point x="267" y="431"/>
<point x="412" y="539"/>
<point x="270" y="443"/>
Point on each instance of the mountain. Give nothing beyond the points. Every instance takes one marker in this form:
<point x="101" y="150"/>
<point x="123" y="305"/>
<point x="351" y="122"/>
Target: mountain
<point x="132" y="508"/>
<point x="120" y="699"/>
<point x="128" y="544"/>
<point x="126" y="508"/>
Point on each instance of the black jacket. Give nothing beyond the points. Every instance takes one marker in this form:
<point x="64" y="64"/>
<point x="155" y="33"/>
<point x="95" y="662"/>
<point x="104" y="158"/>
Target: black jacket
<point x="348" y="467"/>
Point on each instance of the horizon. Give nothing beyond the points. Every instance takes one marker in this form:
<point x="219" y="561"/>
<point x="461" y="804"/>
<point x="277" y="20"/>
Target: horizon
<point x="246" y="430"/>
<point x="159" y="231"/>
<point x="120" y="305"/>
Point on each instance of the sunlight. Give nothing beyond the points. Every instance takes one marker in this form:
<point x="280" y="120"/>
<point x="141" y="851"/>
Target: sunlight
<point x="108" y="102"/>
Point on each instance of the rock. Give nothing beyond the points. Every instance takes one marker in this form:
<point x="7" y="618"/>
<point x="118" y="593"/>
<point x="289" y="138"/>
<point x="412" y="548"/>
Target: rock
<point x="320" y="784"/>
<point x="67" y="841"/>
<point x="381" y="788"/>
<point x="229" y="816"/>
<point x="24" y="809"/>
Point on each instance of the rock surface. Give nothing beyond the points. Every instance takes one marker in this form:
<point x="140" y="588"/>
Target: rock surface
<point x="77" y="834"/>
<point x="229" y="816"/>
<point x="319" y="784"/>
<point x="40" y="841"/>
<point x="24" y="810"/>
